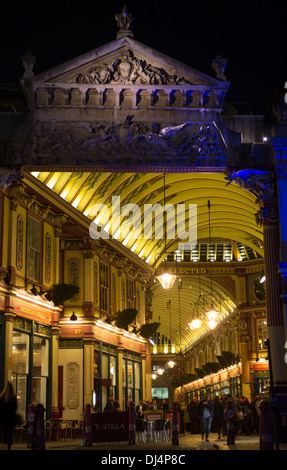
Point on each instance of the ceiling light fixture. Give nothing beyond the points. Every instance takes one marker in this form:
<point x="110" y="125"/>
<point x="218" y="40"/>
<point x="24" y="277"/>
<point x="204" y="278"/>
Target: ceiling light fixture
<point x="211" y="314"/>
<point x="166" y="279"/>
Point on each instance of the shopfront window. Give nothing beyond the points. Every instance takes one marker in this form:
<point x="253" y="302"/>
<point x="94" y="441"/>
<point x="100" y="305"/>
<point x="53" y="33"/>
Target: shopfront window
<point x="159" y="393"/>
<point x="109" y="377"/>
<point x="262" y="334"/>
<point x="131" y="381"/>
<point x="40" y="370"/>
<point x="113" y="372"/>
<point x="130" y="378"/>
<point x="30" y="369"/>
<point x="261" y="382"/>
<point x="137" y="382"/>
<point x="105" y="376"/>
<point x="20" y="369"/>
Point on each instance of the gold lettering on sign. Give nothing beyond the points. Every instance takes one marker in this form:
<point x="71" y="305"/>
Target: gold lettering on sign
<point x="33" y="313"/>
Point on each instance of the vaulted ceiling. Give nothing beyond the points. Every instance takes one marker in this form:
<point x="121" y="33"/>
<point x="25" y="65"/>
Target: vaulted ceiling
<point x="232" y="210"/>
<point x="232" y="222"/>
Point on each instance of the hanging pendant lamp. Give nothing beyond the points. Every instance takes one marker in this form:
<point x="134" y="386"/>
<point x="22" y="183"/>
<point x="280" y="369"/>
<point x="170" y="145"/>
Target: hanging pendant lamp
<point x="166" y="279"/>
<point x="211" y="314"/>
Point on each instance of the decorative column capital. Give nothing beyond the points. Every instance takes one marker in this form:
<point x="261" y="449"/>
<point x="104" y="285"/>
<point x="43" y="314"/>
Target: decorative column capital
<point x="243" y="330"/>
<point x="10" y="316"/>
<point x="268" y="213"/>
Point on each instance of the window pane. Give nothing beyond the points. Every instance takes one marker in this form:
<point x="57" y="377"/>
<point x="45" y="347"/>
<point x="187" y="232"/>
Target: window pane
<point x="40" y="357"/>
<point x="262" y="334"/>
<point x="33" y="248"/>
<point x="160" y="392"/>
<point x="20" y="353"/>
<point x="130" y="374"/>
<point x="124" y="373"/>
<point x="39" y="387"/>
<point x="137" y="396"/>
<point x="137" y="375"/>
<point x="113" y="371"/>
<point x="19" y="382"/>
<point x="105" y="371"/>
<point x="33" y="264"/>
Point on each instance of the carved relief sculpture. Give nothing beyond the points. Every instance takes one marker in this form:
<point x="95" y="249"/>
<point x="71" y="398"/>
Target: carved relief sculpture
<point x="128" y="69"/>
<point x="74" y="273"/>
<point x="19" y="250"/>
<point x="72" y="385"/>
<point x="128" y="137"/>
<point x="48" y="258"/>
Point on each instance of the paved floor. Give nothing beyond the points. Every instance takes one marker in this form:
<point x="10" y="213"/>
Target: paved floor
<point x="186" y="443"/>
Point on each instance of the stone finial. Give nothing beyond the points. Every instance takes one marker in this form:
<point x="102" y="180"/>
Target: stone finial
<point x="219" y="64"/>
<point x="124" y="21"/>
<point x="28" y="62"/>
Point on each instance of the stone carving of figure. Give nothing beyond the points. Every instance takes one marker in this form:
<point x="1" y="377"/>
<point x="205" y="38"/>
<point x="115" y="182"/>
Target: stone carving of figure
<point x="7" y="176"/>
<point x="28" y="62"/>
<point x="219" y="64"/>
<point x="124" y="19"/>
<point x="280" y="111"/>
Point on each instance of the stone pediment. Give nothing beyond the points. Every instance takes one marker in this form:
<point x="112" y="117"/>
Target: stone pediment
<point x="126" y="61"/>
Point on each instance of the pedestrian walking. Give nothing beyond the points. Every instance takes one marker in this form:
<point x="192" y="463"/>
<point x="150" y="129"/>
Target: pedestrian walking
<point x="8" y="408"/>
<point x="206" y="415"/>
<point x="218" y="416"/>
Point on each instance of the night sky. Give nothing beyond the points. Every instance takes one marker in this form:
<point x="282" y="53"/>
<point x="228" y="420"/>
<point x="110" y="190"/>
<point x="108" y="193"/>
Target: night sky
<point x="251" y="35"/>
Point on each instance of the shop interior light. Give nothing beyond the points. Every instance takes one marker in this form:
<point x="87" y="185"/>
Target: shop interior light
<point x="171" y="364"/>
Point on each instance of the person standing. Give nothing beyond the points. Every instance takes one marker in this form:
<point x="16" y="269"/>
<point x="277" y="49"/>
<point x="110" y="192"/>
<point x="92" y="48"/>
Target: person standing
<point x="154" y="405"/>
<point x="192" y="409"/>
<point x="206" y="415"/>
<point x="238" y="414"/>
<point x="110" y="406"/>
<point x="165" y="407"/>
<point x="218" y="418"/>
<point x="8" y="408"/>
<point x="140" y="409"/>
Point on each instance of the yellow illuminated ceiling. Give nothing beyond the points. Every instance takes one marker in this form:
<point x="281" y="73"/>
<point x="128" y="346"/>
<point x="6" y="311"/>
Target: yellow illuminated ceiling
<point x="232" y="209"/>
<point x="232" y="216"/>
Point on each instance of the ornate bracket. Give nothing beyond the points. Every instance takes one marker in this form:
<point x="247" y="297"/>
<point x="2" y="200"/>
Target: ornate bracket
<point x="259" y="183"/>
